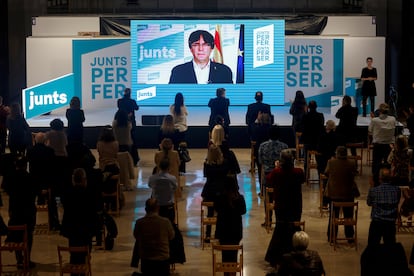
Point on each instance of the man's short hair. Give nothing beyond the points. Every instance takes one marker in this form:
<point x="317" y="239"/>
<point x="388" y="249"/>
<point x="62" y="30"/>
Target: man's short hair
<point x="312" y="105"/>
<point x="57" y="124"/>
<point x="258" y="96"/>
<point x="369" y="58"/>
<point x="220" y="91"/>
<point x="195" y="36"/>
<point x="385" y="174"/>
<point x="151" y="205"/>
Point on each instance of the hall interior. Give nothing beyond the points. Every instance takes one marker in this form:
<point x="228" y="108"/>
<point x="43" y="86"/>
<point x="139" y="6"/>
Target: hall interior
<point x="345" y="260"/>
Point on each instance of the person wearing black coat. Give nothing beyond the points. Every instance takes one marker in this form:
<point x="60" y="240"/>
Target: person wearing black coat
<point x="219" y="108"/>
<point x="253" y="111"/>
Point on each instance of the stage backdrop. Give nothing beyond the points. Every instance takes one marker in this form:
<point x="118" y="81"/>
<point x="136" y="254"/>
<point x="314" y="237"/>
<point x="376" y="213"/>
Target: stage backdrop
<point x="101" y="72"/>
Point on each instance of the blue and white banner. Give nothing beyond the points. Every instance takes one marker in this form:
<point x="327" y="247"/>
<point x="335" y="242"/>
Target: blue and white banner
<point x="47" y="96"/>
<point x="314" y="66"/>
<point x="102" y="71"/>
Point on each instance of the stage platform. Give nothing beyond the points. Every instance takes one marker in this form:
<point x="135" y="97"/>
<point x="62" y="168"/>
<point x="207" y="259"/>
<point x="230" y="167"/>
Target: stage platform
<point x="197" y="121"/>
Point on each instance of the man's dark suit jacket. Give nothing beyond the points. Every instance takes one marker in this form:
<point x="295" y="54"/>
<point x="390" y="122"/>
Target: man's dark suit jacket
<point x="219" y="107"/>
<point x="184" y="73"/>
<point x="252" y="112"/>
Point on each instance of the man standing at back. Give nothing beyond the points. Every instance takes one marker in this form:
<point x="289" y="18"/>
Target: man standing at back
<point x="382" y="129"/>
<point x="254" y="109"/>
<point x="153" y="234"/>
<point x="384" y="200"/>
<point x="129" y="106"/>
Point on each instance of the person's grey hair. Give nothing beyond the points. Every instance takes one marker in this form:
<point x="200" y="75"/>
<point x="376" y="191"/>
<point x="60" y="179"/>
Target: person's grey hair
<point x="300" y="240"/>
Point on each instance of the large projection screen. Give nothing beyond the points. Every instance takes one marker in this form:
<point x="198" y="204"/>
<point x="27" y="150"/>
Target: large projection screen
<point x="252" y="49"/>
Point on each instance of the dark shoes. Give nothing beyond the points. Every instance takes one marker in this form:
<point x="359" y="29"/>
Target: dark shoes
<point x="136" y="273"/>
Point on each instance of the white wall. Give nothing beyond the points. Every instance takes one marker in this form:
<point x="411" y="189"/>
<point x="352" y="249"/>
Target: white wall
<point x="350" y="26"/>
<point x="64" y="25"/>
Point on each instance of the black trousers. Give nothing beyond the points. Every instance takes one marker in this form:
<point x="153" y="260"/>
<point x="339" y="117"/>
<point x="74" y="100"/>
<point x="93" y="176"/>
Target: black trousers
<point x="380" y="154"/>
<point x="381" y="229"/>
<point x="155" y="268"/>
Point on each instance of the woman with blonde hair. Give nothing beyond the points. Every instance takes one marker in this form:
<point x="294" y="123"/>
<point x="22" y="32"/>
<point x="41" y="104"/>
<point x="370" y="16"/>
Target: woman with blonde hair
<point x="215" y="171"/>
<point x="168" y="130"/>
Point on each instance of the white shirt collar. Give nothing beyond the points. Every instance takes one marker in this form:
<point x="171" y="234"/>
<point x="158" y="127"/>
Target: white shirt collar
<point x="202" y="74"/>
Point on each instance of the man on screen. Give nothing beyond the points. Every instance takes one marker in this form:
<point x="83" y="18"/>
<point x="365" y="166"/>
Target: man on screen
<point x="201" y="69"/>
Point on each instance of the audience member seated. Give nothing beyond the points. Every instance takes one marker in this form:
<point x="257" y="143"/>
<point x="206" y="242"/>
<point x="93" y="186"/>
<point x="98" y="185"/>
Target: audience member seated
<point x="400" y="158"/>
<point x="301" y="261"/>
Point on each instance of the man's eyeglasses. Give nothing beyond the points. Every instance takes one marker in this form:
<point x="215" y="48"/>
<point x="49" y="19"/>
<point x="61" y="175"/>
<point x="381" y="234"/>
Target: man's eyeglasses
<point x="197" y="45"/>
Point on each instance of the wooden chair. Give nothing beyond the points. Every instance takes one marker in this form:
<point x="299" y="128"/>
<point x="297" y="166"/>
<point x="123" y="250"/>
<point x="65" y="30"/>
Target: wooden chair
<point x="204" y="221"/>
<point x="311" y="165"/>
<point x="370" y="147"/>
<point x="252" y="157"/>
<point x="19" y="231"/>
<point x="358" y="157"/>
<point x="220" y="266"/>
<point x="341" y="220"/>
<point x="114" y="196"/>
<point x="41" y="228"/>
<point x="300" y="224"/>
<point x="269" y="207"/>
<point x="299" y="147"/>
<point x="66" y="267"/>
<point x="322" y="208"/>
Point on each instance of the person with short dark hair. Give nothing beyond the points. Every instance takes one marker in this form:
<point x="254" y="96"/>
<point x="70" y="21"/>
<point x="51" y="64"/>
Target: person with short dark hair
<point x="254" y="109"/>
<point x="163" y="185"/>
<point x="201" y="69"/>
<point x="368" y="78"/>
<point x="347" y="126"/>
<point x="20" y="136"/>
<point x="219" y="107"/>
<point x="286" y="180"/>
<point x="341" y="173"/>
<point x="153" y="234"/>
<point x="384" y="200"/>
<point x="129" y="105"/>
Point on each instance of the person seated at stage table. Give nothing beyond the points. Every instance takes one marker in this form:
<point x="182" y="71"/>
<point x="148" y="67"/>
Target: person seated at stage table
<point x="201" y="69"/>
<point x="254" y="109"/>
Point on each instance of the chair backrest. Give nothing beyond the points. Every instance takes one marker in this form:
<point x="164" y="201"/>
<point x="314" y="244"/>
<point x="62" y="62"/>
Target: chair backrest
<point x="220" y="266"/>
<point x="16" y="236"/>
<point x="203" y="214"/>
<point x="340" y="219"/>
<point x="65" y="266"/>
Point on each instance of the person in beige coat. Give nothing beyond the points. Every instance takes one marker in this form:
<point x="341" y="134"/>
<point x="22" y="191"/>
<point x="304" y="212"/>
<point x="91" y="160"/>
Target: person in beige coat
<point x="341" y="172"/>
<point x="167" y="151"/>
